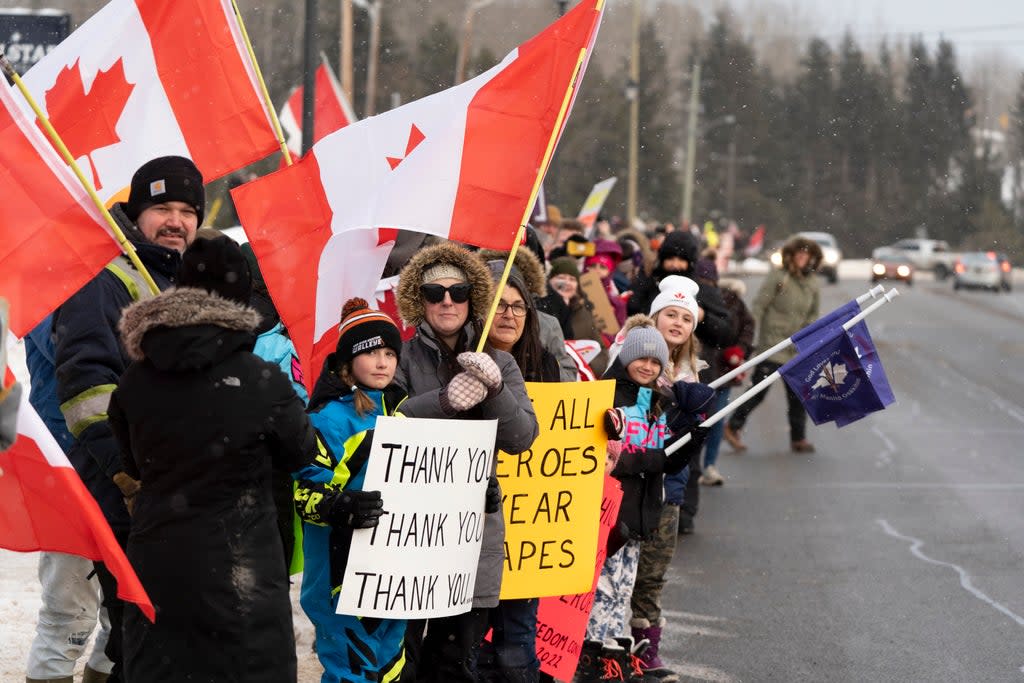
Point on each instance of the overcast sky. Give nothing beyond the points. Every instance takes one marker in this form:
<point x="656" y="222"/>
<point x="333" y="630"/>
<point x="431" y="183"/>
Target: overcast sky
<point x="977" y="27"/>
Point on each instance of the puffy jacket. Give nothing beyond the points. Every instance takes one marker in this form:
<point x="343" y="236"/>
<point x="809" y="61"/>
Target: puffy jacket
<point x="39" y="357"/>
<point x="423" y="372"/>
<point x="784" y="304"/>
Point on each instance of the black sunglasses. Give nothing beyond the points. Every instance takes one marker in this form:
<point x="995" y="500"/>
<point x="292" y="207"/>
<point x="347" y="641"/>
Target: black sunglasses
<point x="434" y="293"/>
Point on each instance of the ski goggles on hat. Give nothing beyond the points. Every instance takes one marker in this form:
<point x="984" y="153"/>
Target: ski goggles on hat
<point x="434" y="293"/>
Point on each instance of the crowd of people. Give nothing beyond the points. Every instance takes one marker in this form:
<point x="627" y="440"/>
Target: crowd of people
<point x="186" y="415"/>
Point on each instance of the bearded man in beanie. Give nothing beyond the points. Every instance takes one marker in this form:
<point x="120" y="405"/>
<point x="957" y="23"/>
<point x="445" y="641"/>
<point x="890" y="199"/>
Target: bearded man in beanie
<point x="201" y="421"/>
<point x="164" y="209"/>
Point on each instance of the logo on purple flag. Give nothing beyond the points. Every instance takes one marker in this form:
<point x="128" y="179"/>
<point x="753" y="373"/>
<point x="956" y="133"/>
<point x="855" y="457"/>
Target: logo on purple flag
<point x="835" y="378"/>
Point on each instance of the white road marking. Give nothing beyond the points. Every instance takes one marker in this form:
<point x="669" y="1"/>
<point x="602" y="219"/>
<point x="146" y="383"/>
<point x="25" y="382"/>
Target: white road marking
<point x="965" y="578"/>
<point x="885" y="456"/>
<point x="692" y="616"/>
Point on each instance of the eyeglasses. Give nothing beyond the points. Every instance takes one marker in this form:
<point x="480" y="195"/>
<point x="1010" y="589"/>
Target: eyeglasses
<point x="518" y="309"/>
<point x="434" y="293"/>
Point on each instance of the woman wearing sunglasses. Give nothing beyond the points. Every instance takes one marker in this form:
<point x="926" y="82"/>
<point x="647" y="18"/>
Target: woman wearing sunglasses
<point x="445" y="291"/>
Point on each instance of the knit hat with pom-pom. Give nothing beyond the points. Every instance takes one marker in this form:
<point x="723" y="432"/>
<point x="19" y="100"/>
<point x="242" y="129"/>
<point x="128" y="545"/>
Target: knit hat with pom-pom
<point x="363" y="329"/>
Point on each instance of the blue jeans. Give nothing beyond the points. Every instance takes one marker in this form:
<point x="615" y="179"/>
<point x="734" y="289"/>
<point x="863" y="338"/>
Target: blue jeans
<point x="714" y="441"/>
<point x="515" y="634"/>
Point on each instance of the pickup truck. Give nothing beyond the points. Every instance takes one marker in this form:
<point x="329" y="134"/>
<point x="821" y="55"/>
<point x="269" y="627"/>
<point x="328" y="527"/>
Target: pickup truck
<point x="925" y="254"/>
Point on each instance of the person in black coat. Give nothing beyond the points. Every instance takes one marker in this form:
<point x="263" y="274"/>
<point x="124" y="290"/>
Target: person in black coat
<point x="200" y="420"/>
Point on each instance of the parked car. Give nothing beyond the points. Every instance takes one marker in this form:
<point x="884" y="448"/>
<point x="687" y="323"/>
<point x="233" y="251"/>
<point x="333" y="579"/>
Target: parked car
<point x="831" y="255"/>
<point x="925" y="254"/>
<point x="892" y="267"/>
<point x="985" y="269"/>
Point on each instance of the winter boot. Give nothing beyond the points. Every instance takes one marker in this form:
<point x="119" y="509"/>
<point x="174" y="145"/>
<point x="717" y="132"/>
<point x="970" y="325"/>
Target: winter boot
<point x="650" y="660"/>
<point x="629" y="660"/>
<point x="590" y="667"/>
<point x="91" y="675"/>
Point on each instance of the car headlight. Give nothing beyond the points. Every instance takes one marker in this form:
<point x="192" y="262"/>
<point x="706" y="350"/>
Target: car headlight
<point x="903" y="271"/>
<point x="831" y="256"/>
<point x="776" y="259"/>
<point x="878" y="269"/>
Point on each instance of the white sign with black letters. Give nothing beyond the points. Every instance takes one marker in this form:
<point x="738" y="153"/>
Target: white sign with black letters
<point x="420" y="561"/>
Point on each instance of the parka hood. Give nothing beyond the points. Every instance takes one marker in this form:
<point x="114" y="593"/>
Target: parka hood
<point x="528" y="265"/>
<point x="799" y="243"/>
<point x="410" y="301"/>
<point x="186" y="328"/>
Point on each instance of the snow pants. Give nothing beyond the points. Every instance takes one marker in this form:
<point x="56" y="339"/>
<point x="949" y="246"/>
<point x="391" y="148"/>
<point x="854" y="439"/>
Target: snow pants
<point x="614" y="588"/>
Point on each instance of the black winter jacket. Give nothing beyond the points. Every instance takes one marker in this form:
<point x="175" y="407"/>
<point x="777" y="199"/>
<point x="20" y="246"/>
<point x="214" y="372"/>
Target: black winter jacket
<point x="200" y="421"/>
<point x="89" y="362"/>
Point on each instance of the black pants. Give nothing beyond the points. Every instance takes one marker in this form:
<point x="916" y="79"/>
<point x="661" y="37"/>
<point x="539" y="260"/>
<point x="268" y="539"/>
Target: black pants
<point x="115" y="612"/>
<point x="449" y="651"/>
<point x="691" y="494"/>
<point x="795" y="409"/>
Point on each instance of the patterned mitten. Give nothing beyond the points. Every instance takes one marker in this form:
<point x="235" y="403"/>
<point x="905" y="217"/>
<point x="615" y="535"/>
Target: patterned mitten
<point x="483" y="367"/>
<point x="462" y="393"/>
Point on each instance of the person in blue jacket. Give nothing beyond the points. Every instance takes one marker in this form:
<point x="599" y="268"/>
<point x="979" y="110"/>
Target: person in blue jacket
<point x="356" y="386"/>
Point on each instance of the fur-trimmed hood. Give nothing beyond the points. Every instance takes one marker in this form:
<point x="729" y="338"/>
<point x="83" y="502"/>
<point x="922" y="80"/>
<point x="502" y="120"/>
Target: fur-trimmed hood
<point x="649" y="257"/>
<point x="410" y="302"/>
<point x="528" y="265"/>
<point x="734" y="285"/>
<point x="207" y="314"/>
<point x="799" y="243"/>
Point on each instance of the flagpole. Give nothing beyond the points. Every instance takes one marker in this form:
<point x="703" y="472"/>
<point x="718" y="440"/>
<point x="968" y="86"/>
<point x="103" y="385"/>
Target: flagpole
<point x="263" y="86"/>
<point x="874" y="293"/>
<point x="126" y="245"/>
<point x="774" y="377"/>
<point x="545" y="162"/>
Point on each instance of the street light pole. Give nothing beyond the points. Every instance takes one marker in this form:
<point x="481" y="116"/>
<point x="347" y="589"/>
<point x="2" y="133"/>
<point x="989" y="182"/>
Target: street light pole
<point x="686" y="212"/>
<point x="633" y="94"/>
<point x="346" y="49"/>
<point x="309" y="75"/>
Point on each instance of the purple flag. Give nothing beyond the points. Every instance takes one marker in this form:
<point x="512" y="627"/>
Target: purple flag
<point x="832" y="381"/>
<point x="872" y="364"/>
<point x="825" y="326"/>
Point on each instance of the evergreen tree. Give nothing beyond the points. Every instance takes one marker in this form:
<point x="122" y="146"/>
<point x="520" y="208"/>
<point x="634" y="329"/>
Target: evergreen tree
<point x="812" y="108"/>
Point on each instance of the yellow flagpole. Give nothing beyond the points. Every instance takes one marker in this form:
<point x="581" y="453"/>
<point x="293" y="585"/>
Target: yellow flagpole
<point x="126" y="245"/>
<point x="263" y="86"/>
<point x="545" y="162"/>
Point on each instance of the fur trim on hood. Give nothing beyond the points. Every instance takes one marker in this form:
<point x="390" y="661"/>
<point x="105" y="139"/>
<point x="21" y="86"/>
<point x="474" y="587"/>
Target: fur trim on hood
<point x="528" y="265"/>
<point x="182" y="307"/>
<point x="799" y="243"/>
<point x="410" y="302"/>
<point x="645" y="245"/>
<point x="734" y="285"/>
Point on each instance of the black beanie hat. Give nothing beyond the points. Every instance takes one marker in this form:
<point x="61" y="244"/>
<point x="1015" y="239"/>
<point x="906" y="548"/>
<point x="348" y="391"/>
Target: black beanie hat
<point x="363" y="329"/>
<point x="166" y="179"/>
<point x="217" y="265"/>
<point x="679" y="244"/>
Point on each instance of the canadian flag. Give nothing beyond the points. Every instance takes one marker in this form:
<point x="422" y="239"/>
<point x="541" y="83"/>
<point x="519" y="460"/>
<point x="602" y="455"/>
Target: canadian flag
<point x="462" y="164"/>
<point x="45" y="506"/>
<point x="331" y="110"/>
<point x="148" y="78"/>
<point x="52" y="238"/>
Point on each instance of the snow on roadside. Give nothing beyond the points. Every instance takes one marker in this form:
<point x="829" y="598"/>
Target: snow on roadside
<point x="19" y="608"/>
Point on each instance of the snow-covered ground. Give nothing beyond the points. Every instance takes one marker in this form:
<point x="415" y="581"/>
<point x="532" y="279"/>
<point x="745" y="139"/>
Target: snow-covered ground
<point x="19" y="606"/>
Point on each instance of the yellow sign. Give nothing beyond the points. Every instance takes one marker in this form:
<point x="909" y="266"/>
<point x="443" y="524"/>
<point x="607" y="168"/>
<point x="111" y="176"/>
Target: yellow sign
<point x="552" y="492"/>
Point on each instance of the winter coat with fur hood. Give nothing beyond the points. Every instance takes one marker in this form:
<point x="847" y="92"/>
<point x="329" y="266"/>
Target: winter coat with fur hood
<point x="200" y="419"/>
<point x="787" y="301"/>
<point x="425" y="368"/>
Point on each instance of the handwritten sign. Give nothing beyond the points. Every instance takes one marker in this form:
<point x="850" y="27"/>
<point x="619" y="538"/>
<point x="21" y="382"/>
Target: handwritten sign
<point x="594" y="292"/>
<point x="420" y="561"/>
<point x="562" y="621"/>
<point x="552" y="492"/>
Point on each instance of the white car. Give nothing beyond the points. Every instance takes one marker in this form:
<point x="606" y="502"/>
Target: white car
<point x="831" y="255"/>
<point x="982" y="269"/>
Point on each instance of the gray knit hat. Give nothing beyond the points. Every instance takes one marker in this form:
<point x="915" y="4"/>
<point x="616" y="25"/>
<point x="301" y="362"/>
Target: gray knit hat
<point x="644" y="342"/>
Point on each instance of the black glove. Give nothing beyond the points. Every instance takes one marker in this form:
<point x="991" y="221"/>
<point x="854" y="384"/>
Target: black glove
<point x="615" y="423"/>
<point x="356" y="509"/>
<point x="492" y="501"/>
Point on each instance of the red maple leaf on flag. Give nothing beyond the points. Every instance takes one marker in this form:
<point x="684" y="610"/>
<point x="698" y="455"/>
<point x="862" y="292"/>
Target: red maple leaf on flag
<point x="88" y="121"/>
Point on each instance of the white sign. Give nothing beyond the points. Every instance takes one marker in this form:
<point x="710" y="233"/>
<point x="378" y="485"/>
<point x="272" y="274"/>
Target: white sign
<point x="420" y="561"/>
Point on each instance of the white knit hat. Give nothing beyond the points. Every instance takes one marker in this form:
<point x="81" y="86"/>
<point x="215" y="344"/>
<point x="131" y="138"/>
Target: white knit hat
<point x="677" y="290"/>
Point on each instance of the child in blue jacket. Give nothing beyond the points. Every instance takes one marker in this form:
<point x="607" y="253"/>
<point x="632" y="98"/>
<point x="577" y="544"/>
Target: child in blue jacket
<point x="354" y="388"/>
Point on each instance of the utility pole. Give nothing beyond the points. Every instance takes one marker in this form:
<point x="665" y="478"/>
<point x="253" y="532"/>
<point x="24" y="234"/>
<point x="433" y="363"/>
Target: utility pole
<point x="347" y="80"/>
<point x="633" y="95"/>
<point x="373" y="9"/>
<point x="466" y="40"/>
<point x="309" y="75"/>
<point x="686" y="214"/>
<point x="730" y="177"/>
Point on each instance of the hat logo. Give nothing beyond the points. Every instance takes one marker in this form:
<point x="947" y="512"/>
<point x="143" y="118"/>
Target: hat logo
<point x="366" y="344"/>
<point x="679" y="295"/>
<point x="157" y="187"/>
